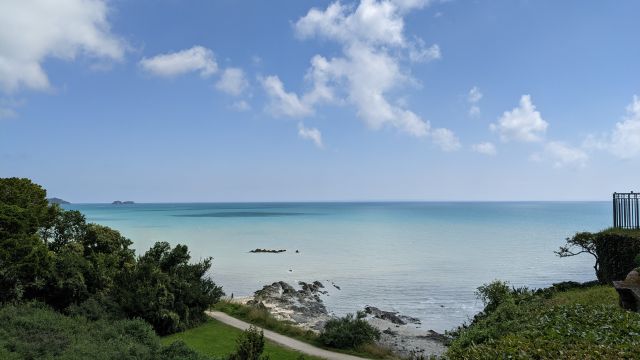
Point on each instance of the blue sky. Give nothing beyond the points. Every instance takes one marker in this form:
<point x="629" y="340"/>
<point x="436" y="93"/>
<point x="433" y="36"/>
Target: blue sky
<point x="163" y="101"/>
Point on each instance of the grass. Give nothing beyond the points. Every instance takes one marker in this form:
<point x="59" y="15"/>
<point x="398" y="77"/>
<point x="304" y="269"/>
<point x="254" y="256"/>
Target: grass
<point x="216" y="339"/>
<point x="262" y="318"/>
<point x="596" y="295"/>
<point x="579" y="323"/>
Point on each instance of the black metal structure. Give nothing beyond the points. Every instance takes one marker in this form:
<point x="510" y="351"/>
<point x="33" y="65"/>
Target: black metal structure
<point x="626" y="210"/>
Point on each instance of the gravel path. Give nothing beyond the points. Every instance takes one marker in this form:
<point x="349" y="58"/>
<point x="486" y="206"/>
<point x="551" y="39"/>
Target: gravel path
<point x="283" y="340"/>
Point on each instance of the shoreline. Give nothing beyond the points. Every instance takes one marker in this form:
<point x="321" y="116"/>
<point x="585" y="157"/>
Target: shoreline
<point x="303" y="306"/>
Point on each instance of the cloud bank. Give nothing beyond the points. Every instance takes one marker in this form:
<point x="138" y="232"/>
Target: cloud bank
<point x="368" y="71"/>
<point x="32" y="31"/>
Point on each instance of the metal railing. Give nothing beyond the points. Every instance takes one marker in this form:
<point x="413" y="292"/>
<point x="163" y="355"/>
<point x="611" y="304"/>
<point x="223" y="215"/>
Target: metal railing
<point x="626" y="210"/>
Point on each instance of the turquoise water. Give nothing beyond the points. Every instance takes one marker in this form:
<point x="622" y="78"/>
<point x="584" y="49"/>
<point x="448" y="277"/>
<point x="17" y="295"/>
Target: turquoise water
<point x="422" y="259"/>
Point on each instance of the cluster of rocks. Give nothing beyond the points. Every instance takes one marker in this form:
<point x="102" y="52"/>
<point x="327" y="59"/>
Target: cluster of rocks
<point x="303" y="307"/>
<point x="392" y="316"/>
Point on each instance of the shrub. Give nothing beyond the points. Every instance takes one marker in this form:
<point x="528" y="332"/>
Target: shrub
<point x="494" y="294"/>
<point x="615" y="251"/>
<point x="249" y="345"/>
<point x="34" y="331"/>
<point x="348" y="332"/>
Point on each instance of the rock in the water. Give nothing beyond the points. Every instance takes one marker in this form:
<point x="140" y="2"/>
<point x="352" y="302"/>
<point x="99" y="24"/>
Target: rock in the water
<point x="390" y="316"/>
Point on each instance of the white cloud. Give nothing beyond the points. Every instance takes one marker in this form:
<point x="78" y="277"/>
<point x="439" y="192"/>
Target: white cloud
<point x="474" y="98"/>
<point x="523" y="123"/>
<point x="233" y="81"/>
<point x="474" y="95"/>
<point x="563" y="155"/>
<point x="241" y="105"/>
<point x="445" y="139"/>
<point x="196" y="59"/>
<point x="373" y="43"/>
<point x="32" y="31"/>
<point x="8" y="107"/>
<point x="419" y="52"/>
<point x="625" y="139"/>
<point x="486" y="148"/>
<point x="312" y="134"/>
<point x="283" y="103"/>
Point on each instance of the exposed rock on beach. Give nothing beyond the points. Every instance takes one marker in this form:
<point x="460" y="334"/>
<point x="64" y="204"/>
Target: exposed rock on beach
<point x="305" y="308"/>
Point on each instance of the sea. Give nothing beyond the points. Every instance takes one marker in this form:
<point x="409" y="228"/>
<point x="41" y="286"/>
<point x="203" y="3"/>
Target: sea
<point x="422" y="259"/>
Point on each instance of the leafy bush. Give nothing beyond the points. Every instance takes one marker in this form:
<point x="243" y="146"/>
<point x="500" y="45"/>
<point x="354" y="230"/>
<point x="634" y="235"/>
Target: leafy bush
<point x="348" y="332"/>
<point x="249" y="345"/>
<point x="615" y="251"/>
<point x="34" y="331"/>
<point x="164" y="289"/>
<point x="55" y="256"/>
<point x="551" y="324"/>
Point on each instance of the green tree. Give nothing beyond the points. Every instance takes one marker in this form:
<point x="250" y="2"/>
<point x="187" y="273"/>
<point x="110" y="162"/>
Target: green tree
<point x="166" y="290"/>
<point x="25" y="261"/>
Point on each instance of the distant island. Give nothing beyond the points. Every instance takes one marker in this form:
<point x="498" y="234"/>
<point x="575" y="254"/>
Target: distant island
<point x="258" y="250"/>
<point x="55" y="200"/>
<point x="118" y="202"/>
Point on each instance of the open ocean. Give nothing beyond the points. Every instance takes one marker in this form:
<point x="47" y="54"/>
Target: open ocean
<point x="423" y="259"/>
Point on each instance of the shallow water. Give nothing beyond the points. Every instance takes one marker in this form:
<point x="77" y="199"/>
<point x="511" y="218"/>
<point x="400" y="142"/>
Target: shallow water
<point x="424" y="259"/>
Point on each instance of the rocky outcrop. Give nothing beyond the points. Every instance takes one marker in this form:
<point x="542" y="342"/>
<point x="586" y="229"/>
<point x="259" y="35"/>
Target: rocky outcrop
<point x="303" y="307"/>
<point x="629" y="291"/>
<point x="391" y="316"/>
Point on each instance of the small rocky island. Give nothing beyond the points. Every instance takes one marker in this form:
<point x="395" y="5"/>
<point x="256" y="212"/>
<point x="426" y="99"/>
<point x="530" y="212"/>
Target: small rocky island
<point x="55" y="200"/>
<point x="118" y="202"/>
<point x="269" y="251"/>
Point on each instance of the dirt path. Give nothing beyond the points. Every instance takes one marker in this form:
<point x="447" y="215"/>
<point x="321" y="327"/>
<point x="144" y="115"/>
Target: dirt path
<point x="283" y="340"/>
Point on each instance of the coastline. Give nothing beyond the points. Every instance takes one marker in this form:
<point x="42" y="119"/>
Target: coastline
<point x="303" y="306"/>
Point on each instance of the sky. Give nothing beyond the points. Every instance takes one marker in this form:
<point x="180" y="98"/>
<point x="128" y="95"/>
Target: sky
<point x="233" y="100"/>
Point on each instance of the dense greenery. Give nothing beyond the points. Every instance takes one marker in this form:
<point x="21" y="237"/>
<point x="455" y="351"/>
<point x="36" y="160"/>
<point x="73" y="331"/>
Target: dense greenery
<point x="54" y="256"/>
<point x="218" y="340"/>
<point x="559" y="322"/>
<point x="34" y="331"/>
<point x="348" y="332"/>
<point x="615" y="251"/>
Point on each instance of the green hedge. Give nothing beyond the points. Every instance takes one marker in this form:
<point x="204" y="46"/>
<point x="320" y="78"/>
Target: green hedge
<point x="617" y="250"/>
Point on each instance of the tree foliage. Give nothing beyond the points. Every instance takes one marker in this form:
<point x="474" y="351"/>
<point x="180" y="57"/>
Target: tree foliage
<point x="55" y="256"/>
<point x="615" y="251"/>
